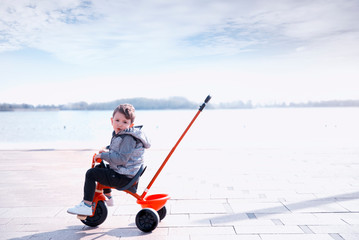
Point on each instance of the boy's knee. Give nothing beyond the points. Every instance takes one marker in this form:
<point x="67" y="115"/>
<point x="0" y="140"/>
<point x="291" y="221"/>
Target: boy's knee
<point x="89" y="173"/>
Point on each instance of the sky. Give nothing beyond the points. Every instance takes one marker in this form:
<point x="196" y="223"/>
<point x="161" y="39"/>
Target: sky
<point x="264" y="51"/>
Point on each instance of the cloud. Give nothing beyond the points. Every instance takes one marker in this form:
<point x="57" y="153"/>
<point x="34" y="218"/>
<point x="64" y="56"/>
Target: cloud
<point x="145" y="31"/>
<point x="137" y="34"/>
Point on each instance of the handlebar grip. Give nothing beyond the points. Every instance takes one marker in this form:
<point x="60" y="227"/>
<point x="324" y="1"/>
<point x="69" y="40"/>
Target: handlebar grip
<point x="207" y="99"/>
<point x="205" y="102"/>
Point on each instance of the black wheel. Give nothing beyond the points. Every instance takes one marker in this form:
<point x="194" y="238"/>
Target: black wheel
<point x="99" y="216"/>
<point x="162" y="213"/>
<point x="147" y="220"/>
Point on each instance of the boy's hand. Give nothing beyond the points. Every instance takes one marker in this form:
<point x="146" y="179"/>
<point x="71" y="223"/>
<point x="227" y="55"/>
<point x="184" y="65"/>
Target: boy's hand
<point x="103" y="150"/>
<point x="98" y="157"/>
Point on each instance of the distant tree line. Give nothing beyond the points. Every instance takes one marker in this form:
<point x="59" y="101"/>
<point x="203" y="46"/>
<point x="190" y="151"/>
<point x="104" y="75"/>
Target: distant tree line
<point x="332" y="103"/>
<point x="139" y="103"/>
<point x="170" y="103"/>
<point x="11" y="107"/>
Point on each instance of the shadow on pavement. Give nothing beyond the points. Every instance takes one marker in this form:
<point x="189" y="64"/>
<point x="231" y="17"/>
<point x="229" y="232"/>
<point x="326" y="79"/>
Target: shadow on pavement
<point x="287" y="208"/>
<point x="85" y="233"/>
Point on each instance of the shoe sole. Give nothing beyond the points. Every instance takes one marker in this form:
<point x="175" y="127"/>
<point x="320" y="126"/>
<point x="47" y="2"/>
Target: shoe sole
<point x="78" y="214"/>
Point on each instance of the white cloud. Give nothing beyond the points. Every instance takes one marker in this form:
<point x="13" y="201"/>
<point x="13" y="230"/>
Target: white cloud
<point x="80" y="31"/>
<point x="232" y="46"/>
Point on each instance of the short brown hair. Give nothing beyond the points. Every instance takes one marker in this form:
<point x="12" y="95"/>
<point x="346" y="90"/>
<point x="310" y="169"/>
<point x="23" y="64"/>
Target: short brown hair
<point x="126" y="109"/>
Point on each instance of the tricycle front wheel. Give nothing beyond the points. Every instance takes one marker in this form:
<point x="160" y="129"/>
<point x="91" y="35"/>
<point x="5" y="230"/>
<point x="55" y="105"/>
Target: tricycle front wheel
<point x="99" y="216"/>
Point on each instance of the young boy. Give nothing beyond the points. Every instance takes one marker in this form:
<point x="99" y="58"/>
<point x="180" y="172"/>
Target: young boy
<point x="125" y="156"/>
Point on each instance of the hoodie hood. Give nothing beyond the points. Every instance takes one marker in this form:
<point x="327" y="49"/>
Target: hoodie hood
<point x="137" y="133"/>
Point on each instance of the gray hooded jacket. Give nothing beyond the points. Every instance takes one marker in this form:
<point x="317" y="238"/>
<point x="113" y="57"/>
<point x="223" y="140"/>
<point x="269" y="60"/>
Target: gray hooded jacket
<point x="126" y="150"/>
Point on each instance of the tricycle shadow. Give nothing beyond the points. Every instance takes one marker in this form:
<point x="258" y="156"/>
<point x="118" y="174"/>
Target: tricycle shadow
<point x="72" y="233"/>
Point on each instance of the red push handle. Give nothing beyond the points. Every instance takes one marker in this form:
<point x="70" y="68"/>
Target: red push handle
<point x="175" y="146"/>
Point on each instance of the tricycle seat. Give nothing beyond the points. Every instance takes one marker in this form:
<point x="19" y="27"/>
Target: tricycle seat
<point x="132" y="185"/>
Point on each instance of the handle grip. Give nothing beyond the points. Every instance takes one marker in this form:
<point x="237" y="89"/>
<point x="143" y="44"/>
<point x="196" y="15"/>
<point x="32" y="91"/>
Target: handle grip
<point x="205" y="102"/>
<point x="208" y="98"/>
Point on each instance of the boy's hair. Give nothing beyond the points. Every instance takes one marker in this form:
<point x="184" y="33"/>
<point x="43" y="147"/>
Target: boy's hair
<point x="126" y="109"/>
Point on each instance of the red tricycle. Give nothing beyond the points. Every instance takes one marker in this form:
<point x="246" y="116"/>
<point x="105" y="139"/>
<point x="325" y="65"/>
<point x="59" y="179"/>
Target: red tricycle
<point x="153" y="206"/>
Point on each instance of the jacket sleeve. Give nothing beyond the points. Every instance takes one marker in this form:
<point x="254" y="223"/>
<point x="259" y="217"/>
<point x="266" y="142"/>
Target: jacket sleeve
<point x="123" y="154"/>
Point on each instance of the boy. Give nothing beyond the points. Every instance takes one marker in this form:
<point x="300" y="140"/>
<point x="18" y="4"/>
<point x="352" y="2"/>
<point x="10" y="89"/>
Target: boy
<point x="125" y="156"/>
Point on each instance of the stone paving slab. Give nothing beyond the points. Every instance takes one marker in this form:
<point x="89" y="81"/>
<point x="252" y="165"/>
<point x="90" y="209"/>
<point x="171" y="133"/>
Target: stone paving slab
<point x="261" y="229"/>
<point x="296" y="237"/>
<point x="348" y="236"/>
<point x="260" y="194"/>
<point x="227" y="237"/>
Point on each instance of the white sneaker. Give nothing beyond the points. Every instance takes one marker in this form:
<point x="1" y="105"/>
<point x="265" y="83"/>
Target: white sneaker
<point x="109" y="202"/>
<point x="81" y="209"/>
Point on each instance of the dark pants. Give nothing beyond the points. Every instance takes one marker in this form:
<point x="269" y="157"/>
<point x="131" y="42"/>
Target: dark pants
<point x="105" y="176"/>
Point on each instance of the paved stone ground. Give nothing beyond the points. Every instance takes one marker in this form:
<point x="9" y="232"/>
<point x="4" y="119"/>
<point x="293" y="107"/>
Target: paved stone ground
<point x="244" y="193"/>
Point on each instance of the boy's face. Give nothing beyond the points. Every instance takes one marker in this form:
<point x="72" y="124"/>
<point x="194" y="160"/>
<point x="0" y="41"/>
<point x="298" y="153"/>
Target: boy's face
<point x="120" y="122"/>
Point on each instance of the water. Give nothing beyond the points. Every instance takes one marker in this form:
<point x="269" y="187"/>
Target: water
<point x="214" y="129"/>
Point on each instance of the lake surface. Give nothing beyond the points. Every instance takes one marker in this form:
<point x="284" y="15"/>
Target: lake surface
<point x="213" y="129"/>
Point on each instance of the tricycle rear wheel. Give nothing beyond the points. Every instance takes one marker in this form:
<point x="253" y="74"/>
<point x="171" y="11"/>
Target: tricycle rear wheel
<point x="147" y="220"/>
<point x="162" y="213"/>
